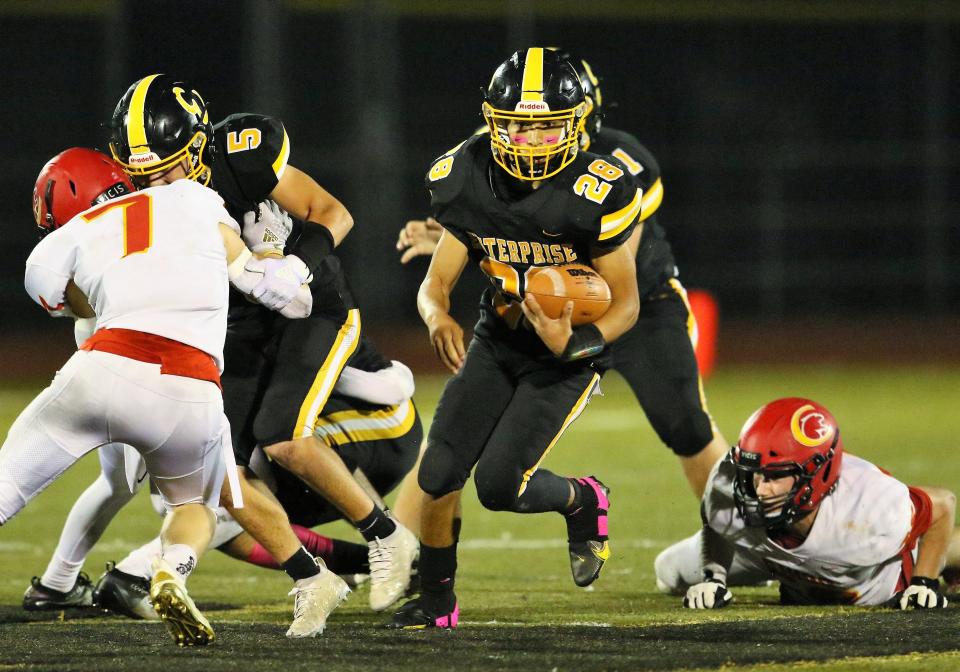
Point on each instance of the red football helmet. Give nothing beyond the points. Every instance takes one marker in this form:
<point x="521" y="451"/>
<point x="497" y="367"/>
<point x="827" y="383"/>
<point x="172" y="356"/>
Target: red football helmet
<point x="71" y="182"/>
<point x="787" y="437"/>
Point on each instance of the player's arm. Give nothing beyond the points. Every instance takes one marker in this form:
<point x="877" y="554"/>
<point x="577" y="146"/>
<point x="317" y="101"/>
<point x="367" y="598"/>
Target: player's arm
<point x="618" y="268"/>
<point x="48" y="276"/>
<point x="716" y="558"/>
<point x="418" y="237"/>
<point x="326" y="221"/>
<point x="279" y="283"/>
<point x="939" y="506"/>
<point x="387" y="387"/>
<point x="433" y="300"/>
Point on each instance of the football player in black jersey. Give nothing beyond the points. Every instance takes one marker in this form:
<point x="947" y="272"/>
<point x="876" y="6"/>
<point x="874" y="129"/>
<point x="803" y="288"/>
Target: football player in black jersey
<point x="522" y="197"/>
<point x="278" y="373"/>
<point x="656" y="357"/>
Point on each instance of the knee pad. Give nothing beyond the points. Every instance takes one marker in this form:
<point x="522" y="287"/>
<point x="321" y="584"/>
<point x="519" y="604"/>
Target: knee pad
<point x="496" y="490"/>
<point x="690" y="436"/>
<point x="438" y="475"/>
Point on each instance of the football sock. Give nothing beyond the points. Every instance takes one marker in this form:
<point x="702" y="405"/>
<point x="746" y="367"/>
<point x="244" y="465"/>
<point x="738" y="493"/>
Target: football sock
<point x="376" y="526"/>
<point x="545" y="492"/>
<point x="341" y="557"/>
<point x="139" y="562"/>
<point x="301" y="565"/>
<point x="61" y="574"/>
<point x="181" y="558"/>
<point x="577" y="496"/>
<point x="438" y="569"/>
<point x="348" y="558"/>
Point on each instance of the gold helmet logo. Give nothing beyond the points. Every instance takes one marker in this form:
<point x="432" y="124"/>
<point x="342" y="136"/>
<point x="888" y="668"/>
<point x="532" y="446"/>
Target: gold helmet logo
<point x="36" y="208"/>
<point x="810" y="428"/>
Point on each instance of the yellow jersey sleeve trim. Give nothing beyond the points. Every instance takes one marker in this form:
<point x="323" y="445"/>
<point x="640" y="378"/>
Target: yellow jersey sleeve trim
<point x="280" y="165"/>
<point x="614" y="223"/>
<point x="651" y="200"/>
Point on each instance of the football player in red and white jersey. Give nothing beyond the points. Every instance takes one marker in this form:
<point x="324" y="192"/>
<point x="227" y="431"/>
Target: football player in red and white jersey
<point x="788" y="504"/>
<point x="153" y="268"/>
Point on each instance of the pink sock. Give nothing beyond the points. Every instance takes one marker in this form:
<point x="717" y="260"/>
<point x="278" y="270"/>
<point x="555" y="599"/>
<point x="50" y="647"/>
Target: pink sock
<point x="317" y="544"/>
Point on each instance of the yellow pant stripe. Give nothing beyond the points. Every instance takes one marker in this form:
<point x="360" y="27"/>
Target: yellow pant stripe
<point x="346" y="343"/>
<point x="355" y="426"/>
<point x="571" y="416"/>
<point x="693" y="333"/>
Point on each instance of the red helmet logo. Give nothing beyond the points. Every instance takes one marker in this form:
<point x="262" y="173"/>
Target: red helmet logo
<point x="810" y="427"/>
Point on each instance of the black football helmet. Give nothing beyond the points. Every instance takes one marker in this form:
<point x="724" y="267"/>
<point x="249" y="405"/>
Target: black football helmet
<point x="157" y="123"/>
<point x="591" y="90"/>
<point x="534" y="85"/>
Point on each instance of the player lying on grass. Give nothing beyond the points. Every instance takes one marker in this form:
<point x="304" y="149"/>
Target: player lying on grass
<point x="154" y="269"/>
<point x="788" y="504"/>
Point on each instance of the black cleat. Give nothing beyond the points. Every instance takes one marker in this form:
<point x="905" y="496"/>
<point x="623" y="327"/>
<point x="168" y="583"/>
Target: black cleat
<point x="587" y="532"/>
<point x="40" y="598"/>
<point x="415" y="616"/>
<point x="126" y="594"/>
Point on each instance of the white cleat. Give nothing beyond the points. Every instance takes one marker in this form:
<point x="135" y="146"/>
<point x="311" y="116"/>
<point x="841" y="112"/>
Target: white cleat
<point x="390" y="561"/>
<point x="314" y="599"/>
<point x="176" y="609"/>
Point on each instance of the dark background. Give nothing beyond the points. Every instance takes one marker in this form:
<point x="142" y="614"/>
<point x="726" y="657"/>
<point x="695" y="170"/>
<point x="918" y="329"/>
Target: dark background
<point x="809" y="149"/>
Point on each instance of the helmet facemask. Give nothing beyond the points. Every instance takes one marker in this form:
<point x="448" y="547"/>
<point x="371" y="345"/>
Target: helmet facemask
<point x="527" y="162"/>
<point x="779" y="511"/>
<point x="140" y="166"/>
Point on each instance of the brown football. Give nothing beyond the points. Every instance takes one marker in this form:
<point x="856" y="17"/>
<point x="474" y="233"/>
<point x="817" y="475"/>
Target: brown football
<point x="553" y="286"/>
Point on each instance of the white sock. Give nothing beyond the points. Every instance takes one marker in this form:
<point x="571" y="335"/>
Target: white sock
<point x="181" y="558"/>
<point x="140" y="561"/>
<point x="61" y="574"/>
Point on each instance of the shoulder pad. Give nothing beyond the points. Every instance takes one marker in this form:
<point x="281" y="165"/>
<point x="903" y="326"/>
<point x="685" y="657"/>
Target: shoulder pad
<point x="256" y="148"/>
<point x="449" y="170"/>
<point x="638" y="160"/>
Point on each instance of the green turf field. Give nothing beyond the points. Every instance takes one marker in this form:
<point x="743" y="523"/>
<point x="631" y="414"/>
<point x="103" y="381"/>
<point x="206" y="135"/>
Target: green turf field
<point x="519" y="607"/>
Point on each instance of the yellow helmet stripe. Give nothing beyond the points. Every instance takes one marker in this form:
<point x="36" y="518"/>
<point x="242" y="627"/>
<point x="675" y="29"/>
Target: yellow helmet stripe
<point x="280" y="164"/>
<point x="594" y="81"/>
<point x="136" y="128"/>
<point x="532" y="86"/>
<point x="615" y="222"/>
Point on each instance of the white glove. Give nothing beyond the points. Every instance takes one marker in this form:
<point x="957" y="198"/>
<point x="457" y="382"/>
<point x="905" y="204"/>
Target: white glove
<point x="281" y="280"/>
<point x="922" y="593"/>
<point x="712" y="594"/>
<point x="266" y="229"/>
<point x="301" y="306"/>
<point x="83" y="328"/>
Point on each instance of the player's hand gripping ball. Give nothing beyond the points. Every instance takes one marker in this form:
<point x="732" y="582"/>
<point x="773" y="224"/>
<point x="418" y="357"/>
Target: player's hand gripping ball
<point x="553" y="286"/>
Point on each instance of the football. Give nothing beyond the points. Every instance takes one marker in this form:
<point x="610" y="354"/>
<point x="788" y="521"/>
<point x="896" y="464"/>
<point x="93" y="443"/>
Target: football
<point x="553" y="286"/>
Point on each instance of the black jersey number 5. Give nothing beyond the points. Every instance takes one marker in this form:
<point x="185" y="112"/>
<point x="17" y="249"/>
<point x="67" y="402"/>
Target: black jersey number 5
<point x="591" y="186"/>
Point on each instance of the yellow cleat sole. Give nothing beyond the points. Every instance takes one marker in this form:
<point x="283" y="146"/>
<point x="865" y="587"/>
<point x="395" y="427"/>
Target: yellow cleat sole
<point x="179" y="614"/>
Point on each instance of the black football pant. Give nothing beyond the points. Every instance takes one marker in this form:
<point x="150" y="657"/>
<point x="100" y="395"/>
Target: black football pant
<point x="656" y="358"/>
<point x="503" y="412"/>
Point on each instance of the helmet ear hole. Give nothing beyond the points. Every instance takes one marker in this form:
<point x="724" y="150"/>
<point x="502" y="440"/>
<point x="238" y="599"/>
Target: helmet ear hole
<point x="73" y="187"/>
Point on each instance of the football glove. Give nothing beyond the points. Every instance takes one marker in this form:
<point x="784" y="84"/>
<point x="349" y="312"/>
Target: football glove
<point x="922" y="593"/>
<point x="281" y="281"/>
<point x="301" y="306"/>
<point x="266" y="229"/>
<point x="709" y="594"/>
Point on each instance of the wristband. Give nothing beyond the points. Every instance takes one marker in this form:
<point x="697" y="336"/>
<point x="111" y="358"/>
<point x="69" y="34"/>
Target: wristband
<point x="585" y="341"/>
<point x="315" y="243"/>
<point x="926" y="582"/>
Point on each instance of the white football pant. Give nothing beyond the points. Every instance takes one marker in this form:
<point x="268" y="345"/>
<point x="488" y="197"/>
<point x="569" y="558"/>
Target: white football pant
<point x="176" y="423"/>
